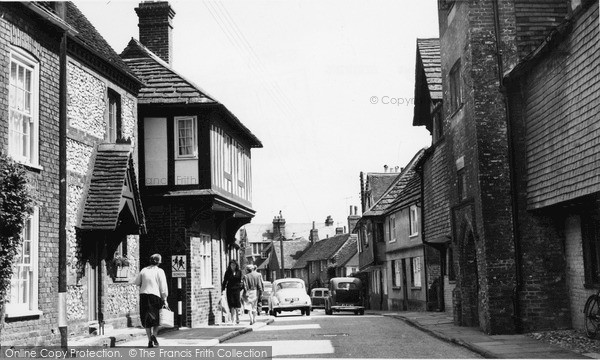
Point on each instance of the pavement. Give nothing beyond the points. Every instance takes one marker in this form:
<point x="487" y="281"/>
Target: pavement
<point x="209" y="335"/>
<point x="516" y="346"/>
<point x="439" y="325"/>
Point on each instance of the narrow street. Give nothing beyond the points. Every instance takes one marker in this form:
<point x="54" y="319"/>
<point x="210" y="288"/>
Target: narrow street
<point x="347" y="336"/>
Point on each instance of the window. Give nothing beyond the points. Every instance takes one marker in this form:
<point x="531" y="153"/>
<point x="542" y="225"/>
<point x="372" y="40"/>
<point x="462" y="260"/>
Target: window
<point x="113" y="125"/>
<point x="415" y="266"/>
<point x="23" y="98"/>
<point x="323" y="265"/>
<point x="187" y="142"/>
<point x="414" y="220"/>
<point x="379" y="235"/>
<point x="461" y="184"/>
<point x="396" y="272"/>
<point x="392" y="224"/>
<point x="205" y="263"/>
<point x="24" y="284"/>
<point x="264" y="255"/>
<point x="455" y="87"/>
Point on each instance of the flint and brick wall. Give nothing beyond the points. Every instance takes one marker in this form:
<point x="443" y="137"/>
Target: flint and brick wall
<point x="17" y="29"/>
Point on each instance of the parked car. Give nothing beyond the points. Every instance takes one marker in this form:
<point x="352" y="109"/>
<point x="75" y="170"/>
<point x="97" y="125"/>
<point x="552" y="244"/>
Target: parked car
<point x="289" y="295"/>
<point x="345" y="294"/>
<point x="317" y="297"/>
<point x="266" y="295"/>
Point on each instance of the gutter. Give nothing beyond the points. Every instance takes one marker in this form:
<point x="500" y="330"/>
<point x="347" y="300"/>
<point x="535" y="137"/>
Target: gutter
<point x="518" y="288"/>
<point x="62" y="189"/>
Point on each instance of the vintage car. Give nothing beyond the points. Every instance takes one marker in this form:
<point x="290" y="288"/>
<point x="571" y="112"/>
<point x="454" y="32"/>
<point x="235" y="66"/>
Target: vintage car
<point x="266" y="295"/>
<point x="317" y="297"/>
<point x="289" y="295"/>
<point x="345" y="294"/>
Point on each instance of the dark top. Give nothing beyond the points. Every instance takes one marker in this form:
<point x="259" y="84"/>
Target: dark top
<point x="232" y="280"/>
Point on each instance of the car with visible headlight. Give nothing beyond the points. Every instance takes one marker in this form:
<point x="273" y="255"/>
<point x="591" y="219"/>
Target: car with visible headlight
<point x="345" y="294"/>
<point x="289" y="295"/>
<point x="266" y="295"/>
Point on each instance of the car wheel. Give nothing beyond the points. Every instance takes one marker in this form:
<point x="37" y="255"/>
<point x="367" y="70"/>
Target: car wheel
<point x="328" y="311"/>
<point x="307" y="311"/>
<point x="275" y="313"/>
<point x="362" y="311"/>
<point x="302" y="312"/>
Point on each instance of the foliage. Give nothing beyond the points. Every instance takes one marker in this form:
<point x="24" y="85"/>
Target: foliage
<point x="15" y="206"/>
<point x="120" y="261"/>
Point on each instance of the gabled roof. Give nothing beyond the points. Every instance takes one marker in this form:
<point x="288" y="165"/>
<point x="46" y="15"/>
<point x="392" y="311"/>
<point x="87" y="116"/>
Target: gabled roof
<point x="91" y="38"/>
<point x="428" y="80"/>
<point x="395" y="189"/>
<point x="163" y="85"/>
<point x="347" y="251"/>
<point x="377" y="183"/>
<point x="322" y="250"/>
<point x="428" y="51"/>
<point x="292" y="250"/>
<point x="108" y="195"/>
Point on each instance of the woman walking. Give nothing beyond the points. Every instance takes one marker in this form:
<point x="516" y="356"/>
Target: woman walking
<point x="153" y="295"/>
<point x="232" y="282"/>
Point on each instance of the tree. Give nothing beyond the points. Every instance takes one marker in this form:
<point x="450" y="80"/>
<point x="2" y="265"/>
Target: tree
<point x="15" y="207"/>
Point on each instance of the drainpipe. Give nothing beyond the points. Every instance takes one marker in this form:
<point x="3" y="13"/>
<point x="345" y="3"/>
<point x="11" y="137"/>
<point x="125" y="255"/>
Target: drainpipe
<point x="62" y="190"/>
<point x="518" y="288"/>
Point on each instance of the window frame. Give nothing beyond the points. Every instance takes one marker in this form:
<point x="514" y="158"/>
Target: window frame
<point x="205" y="263"/>
<point x="397" y="273"/>
<point x="392" y="225"/>
<point x="194" y="154"/>
<point x="455" y="87"/>
<point x="113" y="133"/>
<point x="413" y="221"/>
<point x="31" y="307"/>
<point x="416" y="269"/>
<point x="26" y="60"/>
<point x="227" y="158"/>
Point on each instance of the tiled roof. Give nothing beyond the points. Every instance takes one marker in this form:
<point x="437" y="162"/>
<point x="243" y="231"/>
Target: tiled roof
<point x="322" y="250"/>
<point x="379" y="182"/>
<point x="101" y="209"/>
<point x="408" y="195"/>
<point x="293" y="249"/>
<point x="428" y="50"/>
<point x="89" y="36"/>
<point x="163" y="85"/>
<point x="395" y="190"/>
<point x="347" y="251"/>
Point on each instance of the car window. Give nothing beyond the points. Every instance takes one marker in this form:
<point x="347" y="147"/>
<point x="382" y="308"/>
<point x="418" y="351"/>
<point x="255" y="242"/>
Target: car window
<point x="347" y="286"/>
<point x="289" y="285"/>
<point x="326" y="293"/>
<point x="318" y="293"/>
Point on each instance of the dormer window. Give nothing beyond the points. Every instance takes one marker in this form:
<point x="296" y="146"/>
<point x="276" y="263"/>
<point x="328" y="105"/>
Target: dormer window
<point x="187" y="139"/>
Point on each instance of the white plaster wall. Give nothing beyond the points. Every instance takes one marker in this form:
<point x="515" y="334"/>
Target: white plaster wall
<point x="86" y="103"/>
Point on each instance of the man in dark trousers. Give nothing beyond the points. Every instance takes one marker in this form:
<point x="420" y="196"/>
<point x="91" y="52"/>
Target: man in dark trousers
<point x="253" y="289"/>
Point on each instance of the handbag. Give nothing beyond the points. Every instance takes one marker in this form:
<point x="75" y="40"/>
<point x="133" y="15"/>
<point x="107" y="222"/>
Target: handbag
<point x="166" y="317"/>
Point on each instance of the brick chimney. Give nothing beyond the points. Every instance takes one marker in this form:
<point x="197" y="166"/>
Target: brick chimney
<point x="156" y="28"/>
<point x="278" y="226"/>
<point x="339" y="230"/>
<point x="353" y="219"/>
<point x="314" y="234"/>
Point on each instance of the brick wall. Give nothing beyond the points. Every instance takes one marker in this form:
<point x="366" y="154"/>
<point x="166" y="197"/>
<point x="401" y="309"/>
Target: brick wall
<point x="18" y="29"/>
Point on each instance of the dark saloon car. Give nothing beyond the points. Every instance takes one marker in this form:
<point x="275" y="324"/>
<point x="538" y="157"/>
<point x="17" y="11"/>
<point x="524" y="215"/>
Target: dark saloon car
<point x="345" y="294"/>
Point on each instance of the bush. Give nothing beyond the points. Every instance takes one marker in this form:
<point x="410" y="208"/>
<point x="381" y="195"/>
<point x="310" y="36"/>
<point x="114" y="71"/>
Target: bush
<point x="15" y="207"/>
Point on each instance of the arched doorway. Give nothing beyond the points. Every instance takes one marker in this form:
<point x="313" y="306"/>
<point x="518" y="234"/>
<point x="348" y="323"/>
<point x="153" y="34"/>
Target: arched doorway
<point x="469" y="278"/>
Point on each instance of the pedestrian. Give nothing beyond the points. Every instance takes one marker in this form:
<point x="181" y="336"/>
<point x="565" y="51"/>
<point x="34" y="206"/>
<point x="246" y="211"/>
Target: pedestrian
<point x="153" y="295"/>
<point x="232" y="282"/>
<point x="253" y="289"/>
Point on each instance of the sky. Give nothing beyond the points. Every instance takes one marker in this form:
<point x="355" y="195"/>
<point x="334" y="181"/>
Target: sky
<point x="326" y="85"/>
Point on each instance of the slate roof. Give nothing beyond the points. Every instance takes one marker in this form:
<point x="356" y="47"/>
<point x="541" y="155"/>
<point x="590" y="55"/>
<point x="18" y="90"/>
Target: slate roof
<point x="101" y="209"/>
<point x="91" y="38"/>
<point x="347" y="251"/>
<point x="428" y="50"/>
<point x="322" y="250"/>
<point x="163" y="85"/>
<point x="395" y="189"/>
